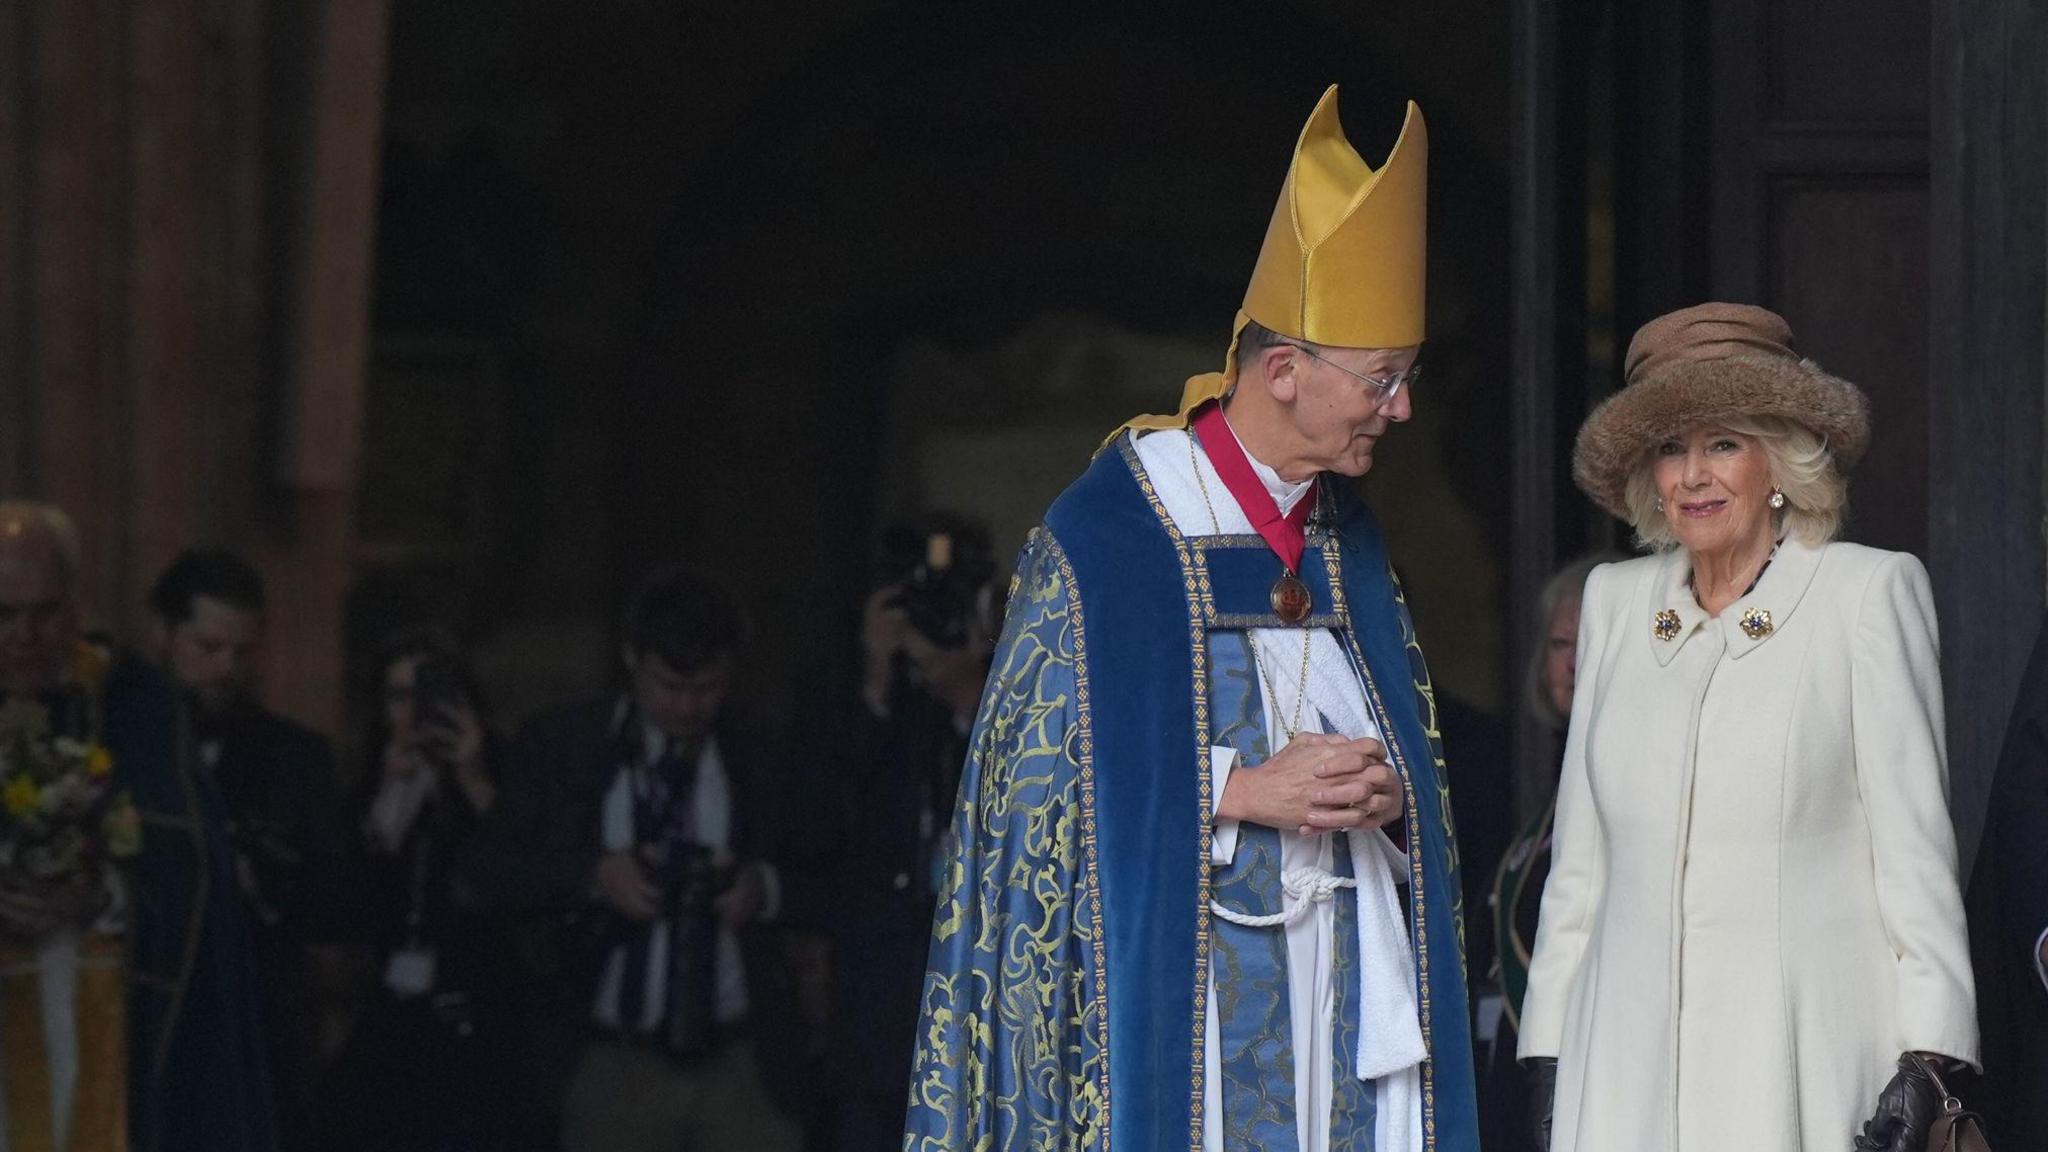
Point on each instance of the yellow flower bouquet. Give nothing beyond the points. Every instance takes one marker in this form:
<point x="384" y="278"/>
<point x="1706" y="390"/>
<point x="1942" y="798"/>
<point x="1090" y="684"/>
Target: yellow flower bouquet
<point x="63" y="818"/>
<point x="66" y="825"/>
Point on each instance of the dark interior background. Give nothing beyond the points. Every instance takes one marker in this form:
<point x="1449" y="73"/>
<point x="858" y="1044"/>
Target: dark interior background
<point x="674" y="283"/>
<point x="476" y="312"/>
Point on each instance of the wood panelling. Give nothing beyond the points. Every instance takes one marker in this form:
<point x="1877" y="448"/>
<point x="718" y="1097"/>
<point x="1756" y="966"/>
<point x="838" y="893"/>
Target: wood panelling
<point x="1829" y="64"/>
<point x="1661" y="162"/>
<point x="1540" y="169"/>
<point x="333" y="337"/>
<point x="144" y="290"/>
<point x="1848" y="259"/>
<point x="172" y="305"/>
<point x="75" y="271"/>
<point x="1818" y="141"/>
<point x="14" y="214"/>
<point x="1988" y="328"/>
<point x="1877" y="172"/>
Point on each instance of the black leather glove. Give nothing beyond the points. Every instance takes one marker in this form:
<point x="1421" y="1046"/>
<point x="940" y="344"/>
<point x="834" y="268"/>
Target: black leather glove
<point x="1906" y="1109"/>
<point x="1542" y="1097"/>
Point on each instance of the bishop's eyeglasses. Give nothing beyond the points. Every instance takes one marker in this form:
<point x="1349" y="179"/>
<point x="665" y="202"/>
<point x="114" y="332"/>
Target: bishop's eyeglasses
<point x="1384" y="388"/>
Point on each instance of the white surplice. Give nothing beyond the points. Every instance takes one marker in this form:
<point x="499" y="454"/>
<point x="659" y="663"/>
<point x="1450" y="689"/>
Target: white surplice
<point x="1390" y="1041"/>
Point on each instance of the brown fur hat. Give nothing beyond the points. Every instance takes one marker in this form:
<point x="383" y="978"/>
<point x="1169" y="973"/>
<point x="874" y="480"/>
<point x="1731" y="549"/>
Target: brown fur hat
<point x="1702" y="363"/>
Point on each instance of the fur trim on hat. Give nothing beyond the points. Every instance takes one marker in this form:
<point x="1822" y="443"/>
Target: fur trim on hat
<point x="1627" y="425"/>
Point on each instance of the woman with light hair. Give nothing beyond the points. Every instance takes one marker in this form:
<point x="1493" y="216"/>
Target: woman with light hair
<point x="1751" y="936"/>
<point x="1548" y="682"/>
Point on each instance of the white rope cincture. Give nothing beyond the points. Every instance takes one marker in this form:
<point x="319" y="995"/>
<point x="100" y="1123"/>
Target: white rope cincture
<point x="1300" y="889"/>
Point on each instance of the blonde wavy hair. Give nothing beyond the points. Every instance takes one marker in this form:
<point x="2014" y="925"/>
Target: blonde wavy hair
<point x="1802" y="467"/>
<point x="1566" y="586"/>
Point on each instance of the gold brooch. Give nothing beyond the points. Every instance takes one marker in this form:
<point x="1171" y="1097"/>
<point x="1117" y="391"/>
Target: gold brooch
<point x="1756" y="623"/>
<point x="1665" y="625"/>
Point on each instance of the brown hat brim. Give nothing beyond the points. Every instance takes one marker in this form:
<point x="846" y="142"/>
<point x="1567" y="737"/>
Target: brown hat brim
<point x="1628" y="424"/>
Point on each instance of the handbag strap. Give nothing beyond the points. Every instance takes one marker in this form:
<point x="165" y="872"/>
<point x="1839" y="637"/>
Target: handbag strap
<point x="1950" y="1104"/>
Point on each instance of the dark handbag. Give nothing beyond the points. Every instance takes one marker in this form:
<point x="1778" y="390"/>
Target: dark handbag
<point x="1956" y="1129"/>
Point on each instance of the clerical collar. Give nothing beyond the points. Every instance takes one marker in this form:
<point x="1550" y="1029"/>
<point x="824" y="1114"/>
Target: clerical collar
<point x="1284" y="494"/>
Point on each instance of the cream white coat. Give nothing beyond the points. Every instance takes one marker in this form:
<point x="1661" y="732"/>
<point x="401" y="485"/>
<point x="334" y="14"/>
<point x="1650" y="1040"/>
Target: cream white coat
<point x="1752" y="908"/>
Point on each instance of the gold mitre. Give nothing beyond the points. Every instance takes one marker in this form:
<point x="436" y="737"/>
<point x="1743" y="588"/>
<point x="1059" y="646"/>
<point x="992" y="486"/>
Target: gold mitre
<point x="1343" y="261"/>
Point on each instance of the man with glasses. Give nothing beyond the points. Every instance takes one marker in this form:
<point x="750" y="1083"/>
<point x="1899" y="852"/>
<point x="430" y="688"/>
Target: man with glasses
<point x="1175" y="912"/>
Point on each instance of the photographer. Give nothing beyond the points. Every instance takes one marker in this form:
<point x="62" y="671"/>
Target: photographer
<point x="894" y="770"/>
<point x="642" y="826"/>
<point x="429" y="1064"/>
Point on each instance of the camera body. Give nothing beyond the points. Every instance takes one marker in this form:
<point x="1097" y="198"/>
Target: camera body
<point x="437" y="687"/>
<point x="943" y="566"/>
<point x="692" y="880"/>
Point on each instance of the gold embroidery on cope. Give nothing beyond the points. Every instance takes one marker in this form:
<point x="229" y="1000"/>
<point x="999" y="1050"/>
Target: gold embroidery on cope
<point x="1025" y="725"/>
<point x="1418" y="909"/>
<point x="1201" y="605"/>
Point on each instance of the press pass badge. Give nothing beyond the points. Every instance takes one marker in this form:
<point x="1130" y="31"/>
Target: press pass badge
<point x="410" y="972"/>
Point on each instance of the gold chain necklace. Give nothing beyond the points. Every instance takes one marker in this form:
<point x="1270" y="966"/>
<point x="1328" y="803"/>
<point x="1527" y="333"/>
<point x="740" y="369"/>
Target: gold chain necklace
<point x="1301" y="686"/>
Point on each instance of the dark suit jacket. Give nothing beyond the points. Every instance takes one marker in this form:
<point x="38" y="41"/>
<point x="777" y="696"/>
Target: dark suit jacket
<point x="198" y="1067"/>
<point x="2008" y="912"/>
<point x="867" y="884"/>
<point x="279" y="781"/>
<point x="534" y="857"/>
<point x="1483" y="807"/>
<point x="284" y="806"/>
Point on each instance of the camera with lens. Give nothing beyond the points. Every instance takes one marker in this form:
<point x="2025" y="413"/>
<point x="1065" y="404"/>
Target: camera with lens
<point x="692" y="881"/>
<point x="438" y="689"/>
<point x="943" y="566"/>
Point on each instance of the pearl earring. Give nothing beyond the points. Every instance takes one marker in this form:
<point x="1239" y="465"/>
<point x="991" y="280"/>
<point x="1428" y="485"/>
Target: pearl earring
<point x="1660" y="504"/>
<point x="1777" y="498"/>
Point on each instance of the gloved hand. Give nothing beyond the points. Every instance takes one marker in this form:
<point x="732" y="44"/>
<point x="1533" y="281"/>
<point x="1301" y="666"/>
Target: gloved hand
<point x="1906" y="1109"/>
<point x="1542" y="1097"/>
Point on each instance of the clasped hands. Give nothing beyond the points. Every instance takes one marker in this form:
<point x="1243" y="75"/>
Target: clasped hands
<point x="1317" y="783"/>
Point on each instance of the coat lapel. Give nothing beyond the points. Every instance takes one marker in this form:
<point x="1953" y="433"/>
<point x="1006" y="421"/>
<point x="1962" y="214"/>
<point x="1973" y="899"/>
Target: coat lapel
<point x="1749" y="623"/>
<point x="1675" y="617"/>
<point x="1769" y="606"/>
